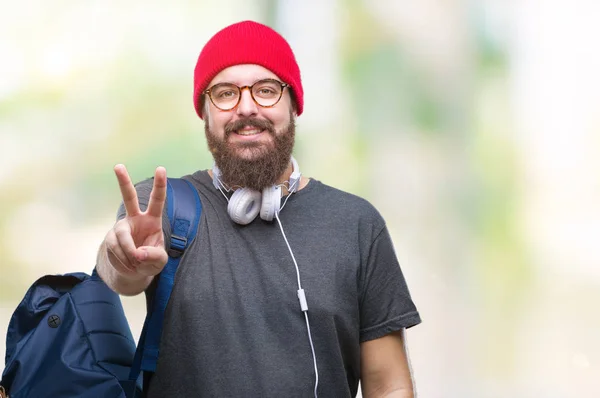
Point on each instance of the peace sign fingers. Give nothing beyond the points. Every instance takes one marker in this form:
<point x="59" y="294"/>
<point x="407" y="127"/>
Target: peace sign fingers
<point x="130" y="198"/>
<point x="158" y="194"/>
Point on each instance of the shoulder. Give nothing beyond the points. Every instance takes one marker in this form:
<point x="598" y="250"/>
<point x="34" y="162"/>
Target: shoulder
<point x="200" y="179"/>
<point x="342" y="198"/>
<point x="342" y="204"/>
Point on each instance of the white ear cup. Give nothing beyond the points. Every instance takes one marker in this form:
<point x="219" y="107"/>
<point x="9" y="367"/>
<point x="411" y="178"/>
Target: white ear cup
<point x="244" y="205"/>
<point x="271" y="198"/>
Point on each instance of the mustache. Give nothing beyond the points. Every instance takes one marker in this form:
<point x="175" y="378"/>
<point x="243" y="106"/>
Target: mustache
<point x="261" y="124"/>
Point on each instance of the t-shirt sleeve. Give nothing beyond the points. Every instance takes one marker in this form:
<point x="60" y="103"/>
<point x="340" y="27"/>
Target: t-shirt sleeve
<point x="385" y="302"/>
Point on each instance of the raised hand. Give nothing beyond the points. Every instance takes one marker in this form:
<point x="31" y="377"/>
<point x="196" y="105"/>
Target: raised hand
<point x="135" y="245"/>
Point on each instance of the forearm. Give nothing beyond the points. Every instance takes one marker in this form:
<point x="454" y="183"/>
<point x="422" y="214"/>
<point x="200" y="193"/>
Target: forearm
<point x="392" y="392"/>
<point x="385" y="368"/>
<point x="399" y="393"/>
<point x="125" y="285"/>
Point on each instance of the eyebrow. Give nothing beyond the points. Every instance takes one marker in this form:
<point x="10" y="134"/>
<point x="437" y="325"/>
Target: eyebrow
<point x="240" y="85"/>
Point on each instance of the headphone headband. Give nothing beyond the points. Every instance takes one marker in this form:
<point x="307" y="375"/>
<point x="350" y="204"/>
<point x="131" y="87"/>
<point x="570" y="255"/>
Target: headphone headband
<point x="295" y="176"/>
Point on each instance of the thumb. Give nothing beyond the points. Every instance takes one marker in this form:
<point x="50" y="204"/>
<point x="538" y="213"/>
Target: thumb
<point x="152" y="259"/>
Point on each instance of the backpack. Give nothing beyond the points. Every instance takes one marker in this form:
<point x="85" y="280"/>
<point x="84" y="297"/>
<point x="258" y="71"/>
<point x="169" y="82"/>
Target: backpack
<point x="69" y="336"/>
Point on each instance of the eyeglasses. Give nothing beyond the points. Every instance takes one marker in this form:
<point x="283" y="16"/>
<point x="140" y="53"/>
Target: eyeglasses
<point x="265" y="93"/>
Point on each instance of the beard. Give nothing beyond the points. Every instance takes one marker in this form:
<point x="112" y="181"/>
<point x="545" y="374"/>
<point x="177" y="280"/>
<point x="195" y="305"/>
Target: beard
<point x="266" y="162"/>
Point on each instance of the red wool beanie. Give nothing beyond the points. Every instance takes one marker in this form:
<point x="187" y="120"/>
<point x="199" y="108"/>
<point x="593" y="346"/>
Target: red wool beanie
<point x="247" y="42"/>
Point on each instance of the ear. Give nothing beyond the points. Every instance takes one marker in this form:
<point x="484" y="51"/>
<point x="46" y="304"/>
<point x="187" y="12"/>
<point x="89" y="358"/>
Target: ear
<point x="292" y="99"/>
<point x="206" y="110"/>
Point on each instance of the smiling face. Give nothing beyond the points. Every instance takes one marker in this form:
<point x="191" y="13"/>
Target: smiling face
<point x="251" y="144"/>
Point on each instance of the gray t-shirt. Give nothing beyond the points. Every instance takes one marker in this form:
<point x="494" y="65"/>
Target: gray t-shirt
<point x="233" y="326"/>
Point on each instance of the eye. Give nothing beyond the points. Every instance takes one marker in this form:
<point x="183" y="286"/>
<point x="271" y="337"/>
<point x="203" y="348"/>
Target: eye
<point x="266" y="89"/>
<point x="226" y="94"/>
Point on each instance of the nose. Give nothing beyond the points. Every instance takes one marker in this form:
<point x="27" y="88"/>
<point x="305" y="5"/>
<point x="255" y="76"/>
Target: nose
<point x="247" y="107"/>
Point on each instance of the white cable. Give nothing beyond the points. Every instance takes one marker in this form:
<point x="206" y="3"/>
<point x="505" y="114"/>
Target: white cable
<point x="291" y="189"/>
<point x="290" y="249"/>
<point x="285" y="201"/>
<point x="303" y="305"/>
<point x="224" y="194"/>
<point x="221" y="187"/>
<point x="312" y="347"/>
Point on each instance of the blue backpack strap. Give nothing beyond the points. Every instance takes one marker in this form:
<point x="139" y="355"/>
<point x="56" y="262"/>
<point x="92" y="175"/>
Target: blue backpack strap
<point x="184" y="210"/>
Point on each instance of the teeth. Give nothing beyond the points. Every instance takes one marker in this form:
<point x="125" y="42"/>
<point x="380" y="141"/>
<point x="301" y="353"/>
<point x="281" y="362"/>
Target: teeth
<point x="248" y="132"/>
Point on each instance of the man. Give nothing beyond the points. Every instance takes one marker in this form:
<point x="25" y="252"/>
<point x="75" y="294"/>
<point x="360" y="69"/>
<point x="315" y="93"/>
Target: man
<point x="303" y="302"/>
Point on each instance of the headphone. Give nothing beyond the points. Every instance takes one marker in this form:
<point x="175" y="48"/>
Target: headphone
<point x="245" y="203"/>
<point x="243" y="208"/>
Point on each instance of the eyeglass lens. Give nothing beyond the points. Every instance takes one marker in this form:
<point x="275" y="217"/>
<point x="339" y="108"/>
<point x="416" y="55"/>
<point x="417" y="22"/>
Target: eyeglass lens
<point x="265" y="93"/>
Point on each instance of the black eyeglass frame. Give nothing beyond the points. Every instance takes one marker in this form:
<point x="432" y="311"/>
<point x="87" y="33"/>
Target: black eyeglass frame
<point x="208" y="91"/>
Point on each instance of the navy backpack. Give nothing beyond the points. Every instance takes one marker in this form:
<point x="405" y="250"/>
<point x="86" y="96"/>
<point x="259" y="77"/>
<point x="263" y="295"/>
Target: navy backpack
<point x="69" y="336"/>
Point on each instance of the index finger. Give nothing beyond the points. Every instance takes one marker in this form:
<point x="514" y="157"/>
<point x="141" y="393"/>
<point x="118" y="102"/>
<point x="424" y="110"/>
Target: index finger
<point x="128" y="192"/>
<point x="158" y="194"/>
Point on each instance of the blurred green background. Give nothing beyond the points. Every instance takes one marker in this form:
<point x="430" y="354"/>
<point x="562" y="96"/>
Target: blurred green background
<point x="471" y="125"/>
